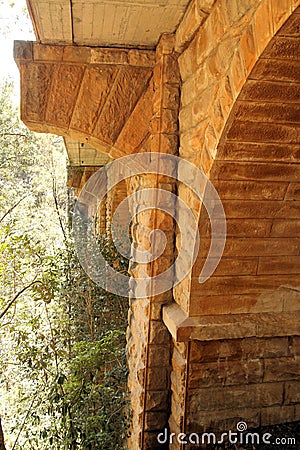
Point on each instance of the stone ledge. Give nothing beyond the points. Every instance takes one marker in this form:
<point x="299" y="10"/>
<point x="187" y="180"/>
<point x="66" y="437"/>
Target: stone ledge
<point x="230" y="326"/>
<point x="25" y="51"/>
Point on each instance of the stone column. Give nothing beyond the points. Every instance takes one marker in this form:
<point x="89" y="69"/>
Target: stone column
<point x="149" y="344"/>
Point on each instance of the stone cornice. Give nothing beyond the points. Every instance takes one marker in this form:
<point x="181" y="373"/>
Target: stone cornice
<point x="231" y="326"/>
<point x="85" y="93"/>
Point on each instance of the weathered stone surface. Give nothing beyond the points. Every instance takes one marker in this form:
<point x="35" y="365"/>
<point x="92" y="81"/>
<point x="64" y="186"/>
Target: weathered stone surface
<point x="156" y="400"/>
<point x="281" y="369"/>
<point x="269" y="69"/>
<point x="141" y="58"/>
<point x="277" y="415"/>
<point x="225" y="373"/>
<point x="95" y="87"/>
<point x="95" y="99"/>
<point x="47" y="52"/>
<point x="258" y="172"/>
<point x="221" y="420"/>
<point x="281" y="11"/>
<point x="292" y="392"/>
<point x="251" y="151"/>
<point x="253" y="396"/>
<point x="194" y="17"/>
<point x="125" y="93"/>
<point x="35" y="85"/>
<point x="135" y="129"/>
<point x="241" y="247"/>
<point x="65" y="85"/>
<point x="291" y="27"/>
<point x="229" y="350"/>
<point x="285" y="228"/>
<point x="109" y="56"/>
<point x="257" y="132"/>
<point x="279" y="265"/>
<point x="270" y="91"/>
<point x="262" y="210"/>
<point x="267" y="112"/>
<point x="244" y="284"/>
<point x="23" y="51"/>
<point x="293" y="192"/>
<point x="263" y="23"/>
<point x="238" y="304"/>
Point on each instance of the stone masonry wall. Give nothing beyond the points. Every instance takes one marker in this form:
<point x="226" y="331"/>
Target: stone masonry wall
<point x="256" y="172"/>
<point x="214" y="65"/>
<point x="252" y="380"/>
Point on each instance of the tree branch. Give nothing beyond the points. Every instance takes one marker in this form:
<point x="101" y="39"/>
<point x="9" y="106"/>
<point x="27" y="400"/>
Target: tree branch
<point x="18" y="295"/>
<point x="12" y="208"/>
<point x="14" y="134"/>
<point x="23" y="423"/>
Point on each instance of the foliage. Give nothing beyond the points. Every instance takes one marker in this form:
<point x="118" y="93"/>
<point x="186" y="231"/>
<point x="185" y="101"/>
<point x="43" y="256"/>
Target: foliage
<point x="62" y="358"/>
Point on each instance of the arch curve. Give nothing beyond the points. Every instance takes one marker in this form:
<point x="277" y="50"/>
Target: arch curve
<point x="256" y="172"/>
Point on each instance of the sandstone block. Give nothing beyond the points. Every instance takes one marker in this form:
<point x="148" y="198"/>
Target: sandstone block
<point x="159" y="356"/>
<point x="223" y="420"/>
<point x="277" y="414"/>
<point x="47" y="52"/>
<point x="96" y="85"/>
<point x="155" y="421"/>
<point x="281" y="11"/>
<point x="78" y="54"/>
<point x="177" y="412"/>
<point x="23" y="51"/>
<point x="191" y="22"/>
<point x="225" y="373"/>
<point x="141" y="58"/>
<point x="263" y="21"/>
<point x="165" y="45"/>
<point x="280" y="369"/>
<point x="65" y="85"/>
<point x="109" y="56"/>
<point x="292" y="392"/>
<point x="270" y="91"/>
<point x="156" y="400"/>
<point x="158" y="333"/>
<point x="252" y="395"/>
<point x="291" y="26"/>
<point x="283" y="47"/>
<point x="282" y="228"/>
<point x="158" y="378"/>
<point x="295" y="346"/>
<point x="235" y="304"/>
<point x="279" y="265"/>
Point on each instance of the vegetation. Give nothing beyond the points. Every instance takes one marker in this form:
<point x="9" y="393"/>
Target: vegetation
<point x="62" y="338"/>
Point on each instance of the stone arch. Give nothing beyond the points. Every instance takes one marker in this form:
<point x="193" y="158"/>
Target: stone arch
<point x="215" y="66"/>
<point x="256" y="172"/>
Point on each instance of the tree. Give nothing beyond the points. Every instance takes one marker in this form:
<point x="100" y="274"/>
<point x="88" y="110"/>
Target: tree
<point x="27" y="170"/>
<point x="64" y="336"/>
